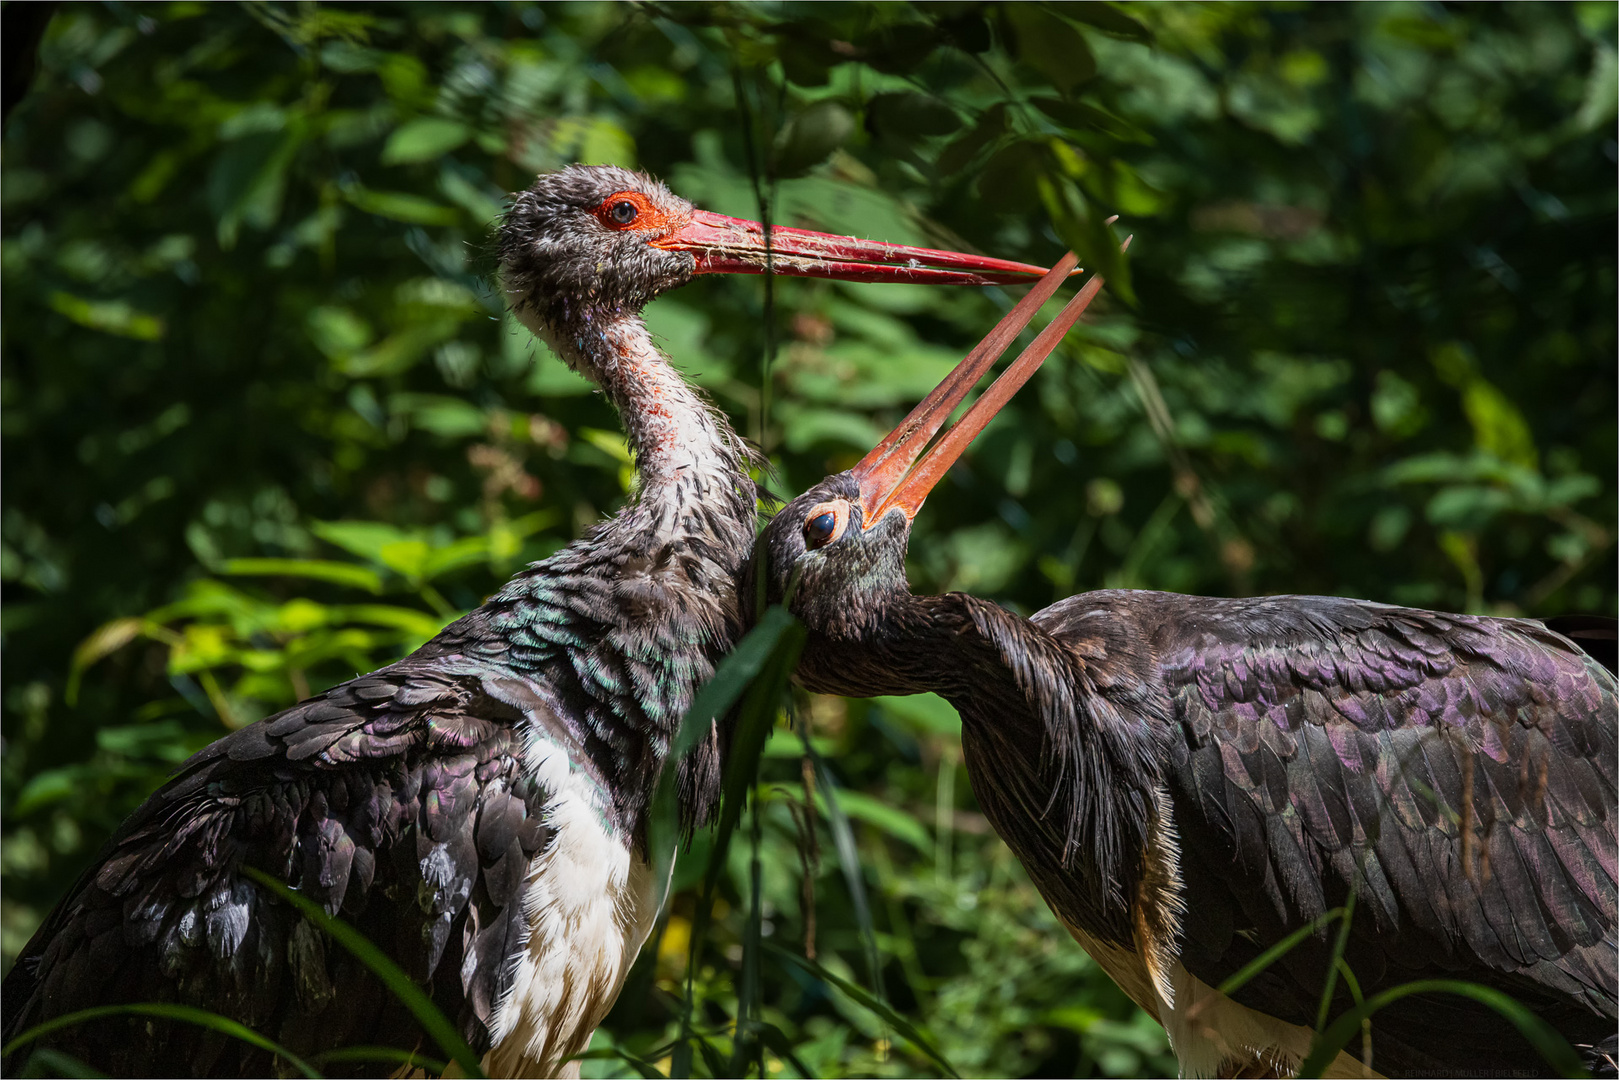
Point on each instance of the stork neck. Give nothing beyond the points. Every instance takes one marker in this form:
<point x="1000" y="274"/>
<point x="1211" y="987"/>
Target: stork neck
<point x="1061" y="772"/>
<point x="672" y="430"/>
<point x="626" y="622"/>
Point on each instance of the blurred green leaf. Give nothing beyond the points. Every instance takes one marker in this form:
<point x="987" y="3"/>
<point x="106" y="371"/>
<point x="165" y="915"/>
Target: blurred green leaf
<point x="1052" y="45"/>
<point x="811" y="136"/>
<point x="425" y="138"/>
<point x="400" y="206"/>
<point x="908" y="114"/>
<point x="359" y="577"/>
<point x="108" y="316"/>
<point x="1107" y="18"/>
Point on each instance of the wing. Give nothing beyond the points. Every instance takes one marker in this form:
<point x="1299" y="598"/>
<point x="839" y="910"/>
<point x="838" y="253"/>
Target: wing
<point x="1456" y="773"/>
<point x="397" y="799"/>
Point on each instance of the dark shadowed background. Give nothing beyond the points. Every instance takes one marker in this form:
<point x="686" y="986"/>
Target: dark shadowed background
<point x="266" y="424"/>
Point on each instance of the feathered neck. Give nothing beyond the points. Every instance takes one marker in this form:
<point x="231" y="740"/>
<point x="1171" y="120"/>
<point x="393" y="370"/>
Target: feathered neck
<point x="627" y="621"/>
<point x="1063" y="773"/>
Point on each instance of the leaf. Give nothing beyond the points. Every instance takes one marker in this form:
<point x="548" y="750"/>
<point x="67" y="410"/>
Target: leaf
<point x="400" y="206"/>
<point x="108" y="316"/>
<point x="642" y="1067"/>
<point x="873" y="811"/>
<point x="925" y="712"/>
<point x="426" y="138"/>
<point x="106" y="639"/>
<point x="184" y="1013"/>
<point x="810" y="137"/>
<point x="1108" y="19"/>
<point x="367" y="539"/>
<point x="760" y="666"/>
<point x="1337" y="961"/>
<point x="899" y="1023"/>
<point x="48" y="1062"/>
<point x="960" y="152"/>
<point x="1051" y="45"/>
<point x="1009" y="179"/>
<point x="1079" y="116"/>
<point x="1498" y="427"/>
<point x="50" y="786"/>
<point x="777" y="630"/>
<point x="359" y="577"/>
<point x="434" y="1022"/>
<point x="443" y="415"/>
<point x="1087" y="233"/>
<point x="464" y="552"/>
<point x="907" y="114"/>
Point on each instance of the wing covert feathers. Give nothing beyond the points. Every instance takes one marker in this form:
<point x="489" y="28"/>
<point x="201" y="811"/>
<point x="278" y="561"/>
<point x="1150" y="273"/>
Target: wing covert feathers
<point x="1457" y="773"/>
<point x="416" y="822"/>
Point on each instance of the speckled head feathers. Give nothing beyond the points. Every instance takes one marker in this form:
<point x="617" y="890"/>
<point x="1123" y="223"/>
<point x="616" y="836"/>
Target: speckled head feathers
<point x="564" y="259"/>
<point x="842" y="586"/>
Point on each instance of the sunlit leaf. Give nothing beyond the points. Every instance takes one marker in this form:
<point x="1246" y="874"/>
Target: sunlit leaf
<point x="359" y="577"/>
<point x="425" y="138"/>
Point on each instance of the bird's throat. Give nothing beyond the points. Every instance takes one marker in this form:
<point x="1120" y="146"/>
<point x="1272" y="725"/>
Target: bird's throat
<point x="672" y="430"/>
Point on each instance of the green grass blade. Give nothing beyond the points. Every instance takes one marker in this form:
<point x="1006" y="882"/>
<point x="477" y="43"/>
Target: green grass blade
<point x="1337" y="959"/>
<point x="338" y="573"/>
<point x="746" y="1048"/>
<point x="849" y="861"/>
<point x="433" y="1021"/>
<point x="643" y="1068"/>
<point x="184" y="1013"/>
<point x="1276" y="952"/>
<point x="1541" y="1035"/>
<point x="48" y="1062"/>
<point x="756" y="672"/>
<point x="733" y="676"/>
<point x="1359" y="999"/>
<point x="779" y="1044"/>
<point x="908" y="1030"/>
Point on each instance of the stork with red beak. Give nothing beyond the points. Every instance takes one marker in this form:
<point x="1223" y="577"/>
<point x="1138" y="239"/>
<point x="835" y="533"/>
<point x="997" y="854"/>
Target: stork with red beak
<point x="478" y="809"/>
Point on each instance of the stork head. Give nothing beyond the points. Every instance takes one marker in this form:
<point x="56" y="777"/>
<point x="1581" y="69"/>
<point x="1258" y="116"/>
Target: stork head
<point x="836" y="554"/>
<point x="590" y="242"/>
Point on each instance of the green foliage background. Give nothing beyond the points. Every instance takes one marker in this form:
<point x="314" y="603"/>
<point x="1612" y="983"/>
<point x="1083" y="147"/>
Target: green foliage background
<point x="266" y="425"/>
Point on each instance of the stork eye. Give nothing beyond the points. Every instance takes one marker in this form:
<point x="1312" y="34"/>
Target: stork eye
<point x="819" y="530"/>
<point x="824" y="524"/>
<point x="624" y="212"/>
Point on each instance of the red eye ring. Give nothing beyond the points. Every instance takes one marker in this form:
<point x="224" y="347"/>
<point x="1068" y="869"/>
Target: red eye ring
<point x="631" y="211"/>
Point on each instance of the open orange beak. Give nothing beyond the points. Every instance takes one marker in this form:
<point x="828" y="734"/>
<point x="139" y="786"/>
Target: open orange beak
<point x="728" y="245"/>
<point x="886" y="477"/>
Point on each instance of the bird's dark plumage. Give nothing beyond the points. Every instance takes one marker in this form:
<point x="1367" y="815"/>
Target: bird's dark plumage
<point x="476" y="809"/>
<point x="1188" y="779"/>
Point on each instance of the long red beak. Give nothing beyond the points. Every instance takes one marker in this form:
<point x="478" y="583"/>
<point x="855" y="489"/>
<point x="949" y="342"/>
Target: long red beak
<point x="728" y="245"/>
<point x="886" y="477"/>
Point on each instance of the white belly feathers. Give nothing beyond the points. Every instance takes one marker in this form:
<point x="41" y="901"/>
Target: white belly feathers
<point x="590" y="904"/>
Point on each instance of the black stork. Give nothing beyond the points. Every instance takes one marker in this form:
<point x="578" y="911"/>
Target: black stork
<point x="477" y="809"/>
<point x="1188" y="780"/>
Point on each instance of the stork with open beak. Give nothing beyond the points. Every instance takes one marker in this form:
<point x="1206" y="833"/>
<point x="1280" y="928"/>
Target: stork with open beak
<point x="1190" y="780"/>
<point x="477" y="809"/>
